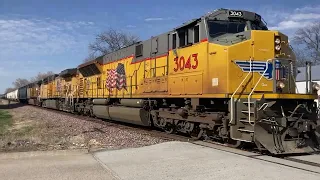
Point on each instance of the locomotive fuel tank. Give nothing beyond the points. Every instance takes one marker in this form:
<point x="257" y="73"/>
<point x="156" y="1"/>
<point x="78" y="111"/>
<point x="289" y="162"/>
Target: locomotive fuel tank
<point x="137" y="116"/>
<point x="133" y="114"/>
<point x="100" y="101"/>
<point x="132" y="102"/>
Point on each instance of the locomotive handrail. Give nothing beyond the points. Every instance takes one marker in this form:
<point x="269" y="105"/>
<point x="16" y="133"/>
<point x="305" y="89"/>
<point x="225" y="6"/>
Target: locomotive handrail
<point x="232" y="108"/>
<point x="249" y="97"/>
<point x="158" y="67"/>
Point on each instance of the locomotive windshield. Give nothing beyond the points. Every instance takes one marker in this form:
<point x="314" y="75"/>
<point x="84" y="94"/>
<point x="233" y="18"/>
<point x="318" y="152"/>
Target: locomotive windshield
<point x="258" y="25"/>
<point x="218" y="28"/>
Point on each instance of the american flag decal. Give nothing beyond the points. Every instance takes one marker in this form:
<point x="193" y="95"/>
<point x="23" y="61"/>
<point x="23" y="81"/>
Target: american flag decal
<point x="116" y="78"/>
<point x="280" y="71"/>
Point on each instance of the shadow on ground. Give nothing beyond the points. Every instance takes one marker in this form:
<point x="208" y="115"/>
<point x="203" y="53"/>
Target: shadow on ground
<point x="5" y="105"/>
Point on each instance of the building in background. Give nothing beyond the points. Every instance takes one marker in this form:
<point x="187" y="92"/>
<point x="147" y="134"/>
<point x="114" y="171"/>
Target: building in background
<point x="301" y="79"/>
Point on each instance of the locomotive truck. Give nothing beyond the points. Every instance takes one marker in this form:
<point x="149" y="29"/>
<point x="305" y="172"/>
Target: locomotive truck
<point x="224" y="76"/>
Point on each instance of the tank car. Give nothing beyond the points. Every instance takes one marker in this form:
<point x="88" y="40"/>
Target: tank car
<point x="223" y="75"/>
<point x="13" y="95"/>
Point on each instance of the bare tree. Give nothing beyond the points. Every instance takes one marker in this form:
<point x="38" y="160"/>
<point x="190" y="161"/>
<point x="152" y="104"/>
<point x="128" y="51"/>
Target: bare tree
<point x="308" y="38"/>
<point x="9" y="90"/>
<point x="111" y="40"/>
<point x="20" y="82"/>
<point x="301" y="56"/>
<point x="90" y="57"/>
<point x="41" y="76"/>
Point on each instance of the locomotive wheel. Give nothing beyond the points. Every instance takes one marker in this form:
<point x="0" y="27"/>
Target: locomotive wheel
<point x="196" y="134"/>
<point x="169" y="129"/>
<point x="72" y="110"/>
<point x="234" y="143"/>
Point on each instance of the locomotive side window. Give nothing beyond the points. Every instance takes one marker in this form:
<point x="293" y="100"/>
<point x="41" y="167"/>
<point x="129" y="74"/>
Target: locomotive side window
<point x="196" y="35"/>
<point x="174" y="41"/>
<point x="182" y="38"/>
<point x="139" y="49"/>
<point x="98" y="82"/>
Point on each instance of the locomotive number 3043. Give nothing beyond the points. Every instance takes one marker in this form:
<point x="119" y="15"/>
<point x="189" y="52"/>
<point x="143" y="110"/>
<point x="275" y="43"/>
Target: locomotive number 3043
<point x="182" y="64"/>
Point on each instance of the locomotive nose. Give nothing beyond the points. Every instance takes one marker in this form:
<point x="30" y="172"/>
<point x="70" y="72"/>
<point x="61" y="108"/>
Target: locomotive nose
<point x="282" y="47"/>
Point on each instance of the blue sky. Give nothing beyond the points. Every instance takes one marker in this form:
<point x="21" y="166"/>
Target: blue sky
<point x="39" y="36"/>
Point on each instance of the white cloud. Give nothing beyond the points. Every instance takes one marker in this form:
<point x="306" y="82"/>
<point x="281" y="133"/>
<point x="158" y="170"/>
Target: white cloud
<point x="158" y="19"/>
<point x="131" y="26"/>
<point x="307" y="16"/>
<point x="26" y="42"/>
<point x="290" y="24"/>
<point x="154" y="19"/>
<point x="37" y="36"/>
<point x="283" y="19"/>
<point x="308" y="9"/>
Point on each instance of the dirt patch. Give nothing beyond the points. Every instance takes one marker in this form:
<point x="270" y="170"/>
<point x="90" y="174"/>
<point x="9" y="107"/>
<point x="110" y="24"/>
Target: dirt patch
<point x="37" y="129"/>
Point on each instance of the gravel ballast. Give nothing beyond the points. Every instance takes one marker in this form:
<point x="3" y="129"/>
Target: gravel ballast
<point x="40" y="129"/>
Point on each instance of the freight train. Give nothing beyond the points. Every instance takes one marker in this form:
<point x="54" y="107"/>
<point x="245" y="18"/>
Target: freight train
<point x="224" y="76"/>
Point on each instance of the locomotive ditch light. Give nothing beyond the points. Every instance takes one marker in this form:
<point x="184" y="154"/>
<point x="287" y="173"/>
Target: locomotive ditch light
<point x="280" y="84"/>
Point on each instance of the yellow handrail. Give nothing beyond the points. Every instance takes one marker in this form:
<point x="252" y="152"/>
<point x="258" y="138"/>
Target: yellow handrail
<point x="232" y="108"/>
<point x="249" y="97"/>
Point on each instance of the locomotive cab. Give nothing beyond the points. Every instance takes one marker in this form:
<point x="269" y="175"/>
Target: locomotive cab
<point x="250" y="47"/>
<point x="255" y="68"/>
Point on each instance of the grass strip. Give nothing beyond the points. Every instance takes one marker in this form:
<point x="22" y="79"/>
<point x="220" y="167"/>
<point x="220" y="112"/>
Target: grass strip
<point x="5" y="121"/>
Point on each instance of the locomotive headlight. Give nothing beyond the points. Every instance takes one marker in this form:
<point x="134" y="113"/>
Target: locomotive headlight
<point x="278" y="47"/>
<point x="280" y="84"/>
<point x="277" y="44"/>
<point x="277" y="41"/>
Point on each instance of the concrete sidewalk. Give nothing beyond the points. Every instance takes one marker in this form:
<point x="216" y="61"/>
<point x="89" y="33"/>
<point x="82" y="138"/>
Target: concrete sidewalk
<point x="170" y="160"/>
<point x="57" y="165"/>
<point x="182" y="160"/>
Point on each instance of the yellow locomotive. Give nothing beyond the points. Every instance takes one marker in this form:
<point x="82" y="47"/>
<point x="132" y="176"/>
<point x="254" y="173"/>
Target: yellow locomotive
<point x="223" y="76"/>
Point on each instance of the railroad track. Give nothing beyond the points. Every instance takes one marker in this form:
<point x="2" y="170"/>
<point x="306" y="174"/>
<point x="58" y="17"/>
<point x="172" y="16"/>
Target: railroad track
<point x="122" y="125"/>
<point x="288" y="161"/>
<point x="303" y="161"/>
